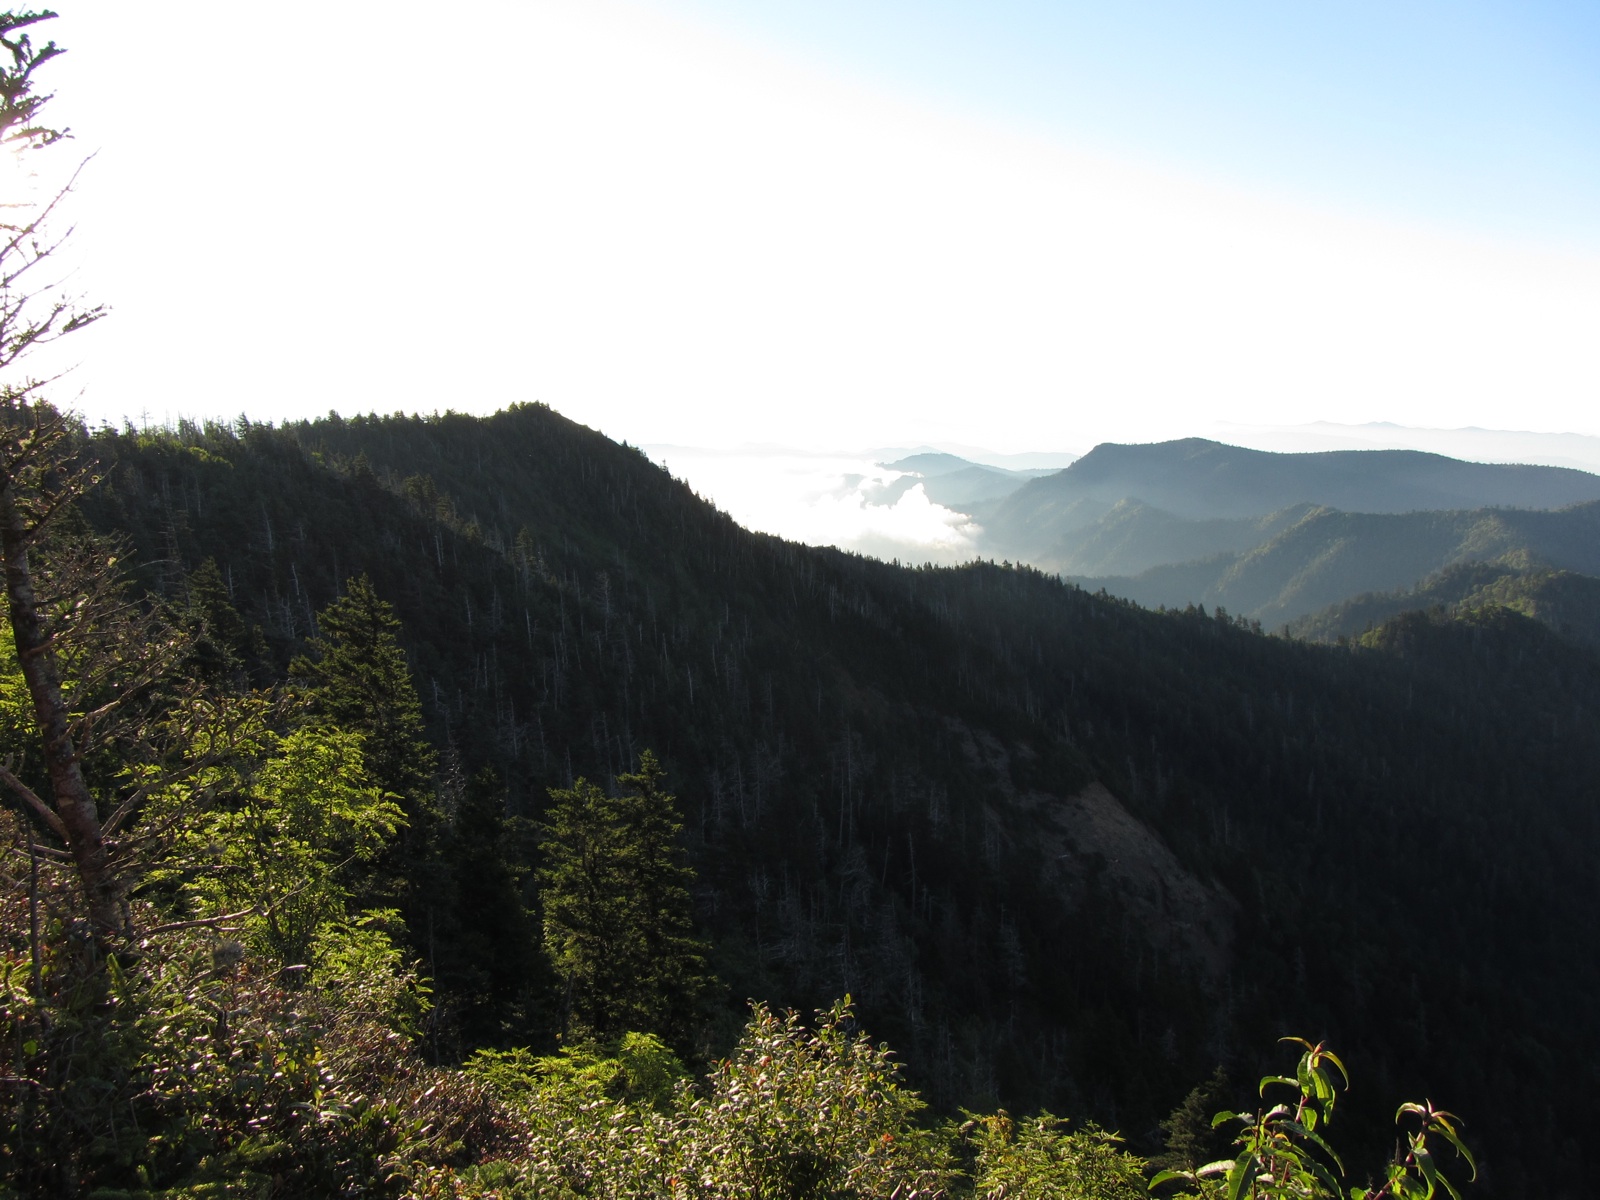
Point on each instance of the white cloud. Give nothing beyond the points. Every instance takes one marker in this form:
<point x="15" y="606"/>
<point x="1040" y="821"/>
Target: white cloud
<point x="824" y="500"/>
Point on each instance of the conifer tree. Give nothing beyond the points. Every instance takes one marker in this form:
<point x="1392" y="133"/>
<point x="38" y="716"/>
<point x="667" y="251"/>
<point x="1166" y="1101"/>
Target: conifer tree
<point x="1191" y="1141"/>
<point x="222" y="648"/>
<point x="617" y="911"/>
<point x="358" y="679"/>
<point x="484" y="950"/>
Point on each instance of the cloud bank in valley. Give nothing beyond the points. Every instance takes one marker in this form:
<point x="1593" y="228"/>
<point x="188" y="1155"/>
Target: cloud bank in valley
<point x="841" y="500"/>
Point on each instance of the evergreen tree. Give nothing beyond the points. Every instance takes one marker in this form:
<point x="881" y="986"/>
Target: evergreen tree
<point x="224" y="648"/>
<point x="483" y="948"/>
<point x="617" y="911"/>
<point x="1187" y="1132"/>
<point x="358" y="679"/>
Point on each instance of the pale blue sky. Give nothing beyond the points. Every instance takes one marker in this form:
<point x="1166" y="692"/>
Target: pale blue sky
<point x="837" y="225"/>
<point x="1456" y="112"/>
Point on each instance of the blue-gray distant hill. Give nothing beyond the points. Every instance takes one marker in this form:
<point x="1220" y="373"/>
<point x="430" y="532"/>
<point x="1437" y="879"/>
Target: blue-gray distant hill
<point x="955" y="482"/>
<point x="1327" y="557"/>
<point x="1199" y="480"/>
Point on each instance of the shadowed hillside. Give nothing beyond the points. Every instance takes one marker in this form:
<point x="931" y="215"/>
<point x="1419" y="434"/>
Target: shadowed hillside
<point x="1327" y="557"/>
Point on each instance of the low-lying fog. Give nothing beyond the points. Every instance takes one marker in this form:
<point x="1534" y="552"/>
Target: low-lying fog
<point x="856" y="501"/>
<point x="822" y="499"/>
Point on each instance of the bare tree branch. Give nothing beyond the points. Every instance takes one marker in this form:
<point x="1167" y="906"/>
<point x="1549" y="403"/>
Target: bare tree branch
<point x="205" y="922"/>
<point x="44" y="811"/>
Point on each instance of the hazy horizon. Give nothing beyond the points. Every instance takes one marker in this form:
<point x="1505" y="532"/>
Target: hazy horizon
<point x="1008" y="225"/>
<point x="835" y="497"/>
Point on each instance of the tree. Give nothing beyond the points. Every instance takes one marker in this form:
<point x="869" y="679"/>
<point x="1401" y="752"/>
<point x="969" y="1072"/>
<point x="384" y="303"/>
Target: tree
<point x="358" y="679"/>
<point x="292" y="818"/>
<point x="617" y="912"/>
<point x="32" y="312"/>
<point x="38" y="479"/>
<point x="32" y="490"/>
<point x="1189" y="1139"/>
<point x="223" y="649"/>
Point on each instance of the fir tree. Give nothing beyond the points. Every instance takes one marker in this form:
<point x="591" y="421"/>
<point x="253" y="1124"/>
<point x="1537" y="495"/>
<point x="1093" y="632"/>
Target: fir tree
<point x="1190" y="1140"/>
<point x="224" y="646"/>
<point x="617" y="911"/>
<point x="357" y="678"/>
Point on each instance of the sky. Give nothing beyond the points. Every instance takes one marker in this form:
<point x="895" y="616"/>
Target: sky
<point x="1025" y="225"/>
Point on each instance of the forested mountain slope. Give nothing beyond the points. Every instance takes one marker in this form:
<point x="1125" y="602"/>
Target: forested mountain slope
<point x="1567" y="602"/>
<point x="1195" y="480"/>
<point x="1132" y="537"/>
<point x="1326" y="557"/>
<point x="1062" y="850"/>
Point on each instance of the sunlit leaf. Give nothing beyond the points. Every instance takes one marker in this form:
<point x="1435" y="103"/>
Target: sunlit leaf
<point x="1239" y="1178"/>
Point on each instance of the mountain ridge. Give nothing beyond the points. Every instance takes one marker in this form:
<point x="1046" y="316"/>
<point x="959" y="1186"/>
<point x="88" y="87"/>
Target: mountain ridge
<point x="1198" y="479"/>
<point x="566" y="603"/>
<point x="1327" y="556"/>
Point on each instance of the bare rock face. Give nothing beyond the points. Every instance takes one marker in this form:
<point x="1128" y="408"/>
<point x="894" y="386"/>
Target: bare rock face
<point x="1090" y="839"/>
<point x="1178" y="913"/>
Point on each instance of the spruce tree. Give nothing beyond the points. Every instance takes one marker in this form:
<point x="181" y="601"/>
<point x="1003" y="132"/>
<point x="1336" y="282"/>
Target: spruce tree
<point x="224" y="648"/>
<point x="356" y="678"/>
<point x="1190" y="1139"/>
<point x="618" y="923"/>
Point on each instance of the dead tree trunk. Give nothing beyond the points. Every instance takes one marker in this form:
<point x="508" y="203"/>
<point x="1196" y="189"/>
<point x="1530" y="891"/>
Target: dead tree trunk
<point x="73" y="802"/>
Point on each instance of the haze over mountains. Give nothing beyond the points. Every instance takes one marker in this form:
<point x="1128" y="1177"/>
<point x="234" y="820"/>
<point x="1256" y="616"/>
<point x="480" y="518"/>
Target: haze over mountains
<point x="1471" y="443"/>
<point x="1271" y="536"/>
<point x="954" y="482"/>
<point x="1198" y="479"/>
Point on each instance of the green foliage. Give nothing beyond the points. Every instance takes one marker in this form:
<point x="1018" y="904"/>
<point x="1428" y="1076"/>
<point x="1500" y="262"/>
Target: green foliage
<point x="16" y="708"/>
<point x="1037" y="1159"/>
<point x="357" y="677"/>
<point x="207" y="1063"/>
<point x="1284" y="1152"/>
<point x="277" y="843"/>
<point x="810" y="1113"/>
<point x="1190" y="1141"/>
<point x="793" y="1113"/>
<point x="618" y="920"/>
<point x="639" y="1069"/>
<point x="361" y="966"/>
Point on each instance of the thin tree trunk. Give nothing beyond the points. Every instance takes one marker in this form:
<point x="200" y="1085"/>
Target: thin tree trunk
<point x="73" y="802"/>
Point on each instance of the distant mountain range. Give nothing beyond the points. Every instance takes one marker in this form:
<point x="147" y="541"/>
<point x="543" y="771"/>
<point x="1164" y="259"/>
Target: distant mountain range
<point x="1275" y="537"/>
<point x="1471" y="443"/>
<point x="1196" y="480"/>
<point x="955" y="482"/>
